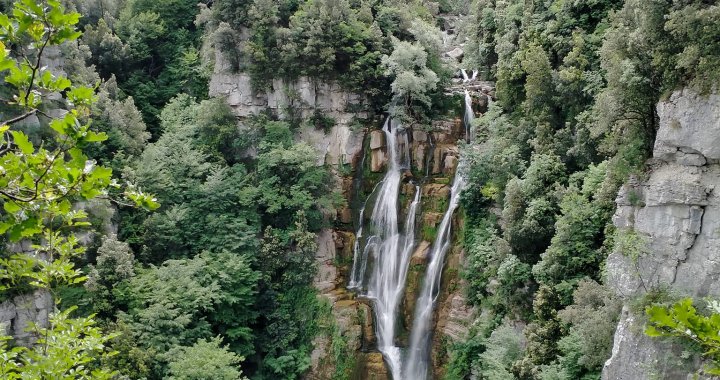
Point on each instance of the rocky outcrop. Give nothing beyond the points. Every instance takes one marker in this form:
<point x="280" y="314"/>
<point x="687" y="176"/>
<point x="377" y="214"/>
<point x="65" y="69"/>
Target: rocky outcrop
<point x="675" y="217"/>
<point x="351" y="321"/>
<point x="18" y="312"/>
<point x="303" y="98"/>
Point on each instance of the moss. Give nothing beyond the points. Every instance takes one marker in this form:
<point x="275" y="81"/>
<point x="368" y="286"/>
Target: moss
<point x="343" y="355"/>
<point x="429" y="233"/>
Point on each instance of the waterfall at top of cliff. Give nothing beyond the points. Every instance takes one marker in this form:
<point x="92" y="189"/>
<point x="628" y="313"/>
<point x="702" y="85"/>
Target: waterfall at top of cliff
<point x="417" y="362"/>
<point x="467" y="78"/>
<point x="387" y="248"/>
<point x="469" y="117"/>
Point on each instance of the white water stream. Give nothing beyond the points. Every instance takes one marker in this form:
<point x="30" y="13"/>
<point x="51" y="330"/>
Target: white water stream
<point x="389" y="251"/>
<point x="387" y="248"/>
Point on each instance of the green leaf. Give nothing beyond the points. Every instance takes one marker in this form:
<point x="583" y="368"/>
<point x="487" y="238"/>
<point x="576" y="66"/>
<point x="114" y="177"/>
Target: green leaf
<point x="11" y="207"/>
<point x="95" y="137"/>
<point x="21" y="140"/>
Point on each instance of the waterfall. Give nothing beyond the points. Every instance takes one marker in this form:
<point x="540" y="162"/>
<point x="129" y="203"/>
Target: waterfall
<point x="385" y="249"/>
<point x="464" y="75"/>
<point x="357" y="273"/>
<point x="467" y="78"/>
<point x="388" y="248"/>
<point x="469" y="116"/>
<point x="417" y="362"/>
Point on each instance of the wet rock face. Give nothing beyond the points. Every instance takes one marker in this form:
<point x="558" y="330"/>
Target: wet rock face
<point x="676" y="213"/>
<point x="374" y="368"/>
<point x="378" y="157"/>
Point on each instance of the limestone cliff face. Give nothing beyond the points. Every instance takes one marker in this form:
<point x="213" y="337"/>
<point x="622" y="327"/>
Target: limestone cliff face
<point x="304" y="97"/>
<point x="676" y="213"/>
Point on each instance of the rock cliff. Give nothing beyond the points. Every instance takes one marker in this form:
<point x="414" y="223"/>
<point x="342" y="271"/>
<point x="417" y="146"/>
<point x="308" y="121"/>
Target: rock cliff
<point x="674" y="214"/>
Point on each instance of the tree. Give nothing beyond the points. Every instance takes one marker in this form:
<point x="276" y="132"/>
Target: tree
<point x="413" y="79"/>
<point x="39" y="184"/>
<point x="206" y="359"/>
<point x="114" y="263"/>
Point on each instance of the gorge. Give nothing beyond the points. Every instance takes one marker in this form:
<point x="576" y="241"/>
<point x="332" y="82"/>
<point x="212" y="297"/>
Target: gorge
<point x="359" y="189"/>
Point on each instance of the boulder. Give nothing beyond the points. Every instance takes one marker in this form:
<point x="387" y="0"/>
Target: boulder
<point x="690" y="122"/>
<point x="377" y="160"/>
<point x="420" y="255"/>
<point x="450" y="164"/>
<point x="456" y="54"/>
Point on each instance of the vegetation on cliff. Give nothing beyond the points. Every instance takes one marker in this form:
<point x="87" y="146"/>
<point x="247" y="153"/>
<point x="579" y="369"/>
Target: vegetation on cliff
<point x="577" y="85"/>
<point x="215" y="281"/>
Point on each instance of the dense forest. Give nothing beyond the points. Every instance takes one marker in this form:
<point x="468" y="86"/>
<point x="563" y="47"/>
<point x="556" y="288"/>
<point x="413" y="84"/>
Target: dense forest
<point x="176" y="241"/>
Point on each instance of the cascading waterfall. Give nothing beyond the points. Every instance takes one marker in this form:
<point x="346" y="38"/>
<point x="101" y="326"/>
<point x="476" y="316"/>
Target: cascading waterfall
<point x="416" y="367"/>
<point x="469" y="117"/>
<point x="467" y="78"/>
<point x="389" y="250"/>
<point x="417" y="363"/>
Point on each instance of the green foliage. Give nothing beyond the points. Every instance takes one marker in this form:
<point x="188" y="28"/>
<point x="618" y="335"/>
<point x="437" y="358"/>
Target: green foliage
<point x="576" y="247"/>
<point x="593" y="318"/>
<point x="542" y="335"/>
<point x="174" y="305"/>
<point x="114" y="263"/>
<point x="576" y="88"/>
<point x="505" y="346"/>
<point x="683" y="321"/>
<point x="630" y="243"/>
<point x="412" y="78"/>
<point x="39" y="184"/>
<point x="68" y="348"/>
<point x="205" y="359"/>
<point x="151" y="47"/>
<point x="289" y="181"/>
<point x="530" y="208"/>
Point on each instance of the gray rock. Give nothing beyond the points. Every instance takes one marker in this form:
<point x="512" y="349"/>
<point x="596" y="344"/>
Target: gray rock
<point x="677" y="213"/>
<point x="638" y="357"/>
<point x="326" y="276"/>
<point x="456" y="54"/>
<point x="339" y="146"/>
<point x="690" y="120"/>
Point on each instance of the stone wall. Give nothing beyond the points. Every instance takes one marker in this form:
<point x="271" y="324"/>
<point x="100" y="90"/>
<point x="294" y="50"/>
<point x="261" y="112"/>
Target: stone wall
<point x="676" y="213"/>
